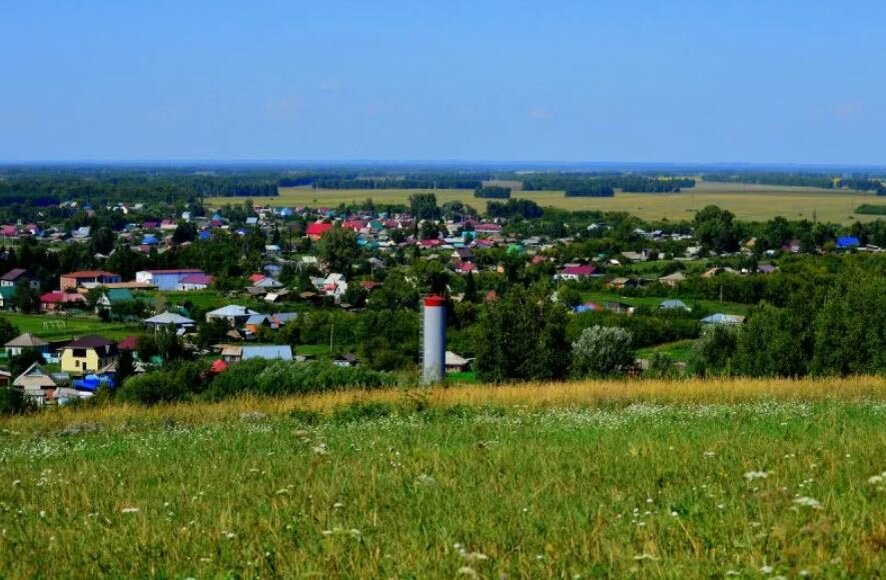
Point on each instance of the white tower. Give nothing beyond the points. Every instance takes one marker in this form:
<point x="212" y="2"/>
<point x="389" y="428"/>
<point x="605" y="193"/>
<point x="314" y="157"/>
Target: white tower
<point x="434" y="347"/>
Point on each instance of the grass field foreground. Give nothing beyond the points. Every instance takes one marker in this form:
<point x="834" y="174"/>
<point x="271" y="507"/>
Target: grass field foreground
<point x="668" y="479"/>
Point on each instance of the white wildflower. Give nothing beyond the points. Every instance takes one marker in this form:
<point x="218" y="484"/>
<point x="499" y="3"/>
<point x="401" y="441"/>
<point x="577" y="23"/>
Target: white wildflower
<point x="320" y="449"/>
<point x="16" y="483"/>
<point x="808" y="502"/>
<point x="425" y="480"/>
<point x="645" y="556"/>
<point x="766" y="569"/>
<point x="129" y="510"/>
<point x="752" y="475"/>
<point x="467" y="571"/>
<point x="709" y="454"/>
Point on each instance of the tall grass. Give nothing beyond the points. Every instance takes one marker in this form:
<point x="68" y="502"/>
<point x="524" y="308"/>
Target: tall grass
<point x="679" y="479"/>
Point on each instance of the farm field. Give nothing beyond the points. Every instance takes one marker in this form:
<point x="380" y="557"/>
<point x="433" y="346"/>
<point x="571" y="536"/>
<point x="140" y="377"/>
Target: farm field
<point x="654" y="478"/>
<point x="52" y="327"/>
<point x="747" y="202"/>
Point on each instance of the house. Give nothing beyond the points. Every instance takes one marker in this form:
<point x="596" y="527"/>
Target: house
<point x="674" y="305"/>
<point x="267" y="282"/>
<point x="190" y="282"/>
<point x="587" y="307"/>
<point x="7" y="296"/>
<point x="26" y="341"/>
<point x="17" y="275"/>
<point x="672" y="279"/>
<point x="88" y="354"/>
<point x="166" y="280"/>
<point x="37" y="384"/>
<point x="167" y="319"/>
<point x="575" y="272"/>
<point x="345" y="360"/>
<point x="235" y="315"/>
<point x="455" y="363"/>
<point x="316" y="230"/>
<point x="723" y="319"/>
<point x="53" y="301"/>
<point x="114" y="297"/>
<point x="74" y="280"/>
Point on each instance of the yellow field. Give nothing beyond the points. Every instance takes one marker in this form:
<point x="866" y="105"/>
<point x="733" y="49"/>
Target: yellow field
<point x="748" y="202"/>
<point x="537" y="396"/>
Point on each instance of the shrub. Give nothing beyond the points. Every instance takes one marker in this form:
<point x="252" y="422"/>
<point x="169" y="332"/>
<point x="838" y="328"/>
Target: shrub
<point x="601" y="352"/>
<point x="13" y="402"/>
<point x="286" y="378"/>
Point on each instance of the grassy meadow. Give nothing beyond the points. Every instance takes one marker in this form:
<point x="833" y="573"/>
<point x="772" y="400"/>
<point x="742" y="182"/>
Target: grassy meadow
<point x="748" y="202"/>
<point x="63" y="327"/>
<point x="654" y="478"/>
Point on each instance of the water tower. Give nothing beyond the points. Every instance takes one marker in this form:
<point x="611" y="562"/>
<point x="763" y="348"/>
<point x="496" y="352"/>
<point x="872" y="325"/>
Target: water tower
<point x="434" y="340"/>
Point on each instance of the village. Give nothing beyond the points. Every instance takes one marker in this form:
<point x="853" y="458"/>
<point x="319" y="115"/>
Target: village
<point x="306" y="260"/>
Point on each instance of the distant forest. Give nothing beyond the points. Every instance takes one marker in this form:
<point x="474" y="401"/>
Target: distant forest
<point x="857" y="183"/>
<point x="50" y="185"/>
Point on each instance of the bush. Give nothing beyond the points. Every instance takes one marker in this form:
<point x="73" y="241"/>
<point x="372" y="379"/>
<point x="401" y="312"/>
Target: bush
<point x="602" y="352"/>
<point x="14" y="402"/>
<point x="712" y="354"/>
<point x="286" y="378"/>
<point x="175" y="383"/>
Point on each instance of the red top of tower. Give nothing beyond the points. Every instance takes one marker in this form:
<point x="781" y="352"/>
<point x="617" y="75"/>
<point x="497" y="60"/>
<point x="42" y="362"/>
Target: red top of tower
<point x="434" y="300"/>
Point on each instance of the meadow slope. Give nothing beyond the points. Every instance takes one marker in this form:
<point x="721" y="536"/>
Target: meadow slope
<point x="664" y="479"/>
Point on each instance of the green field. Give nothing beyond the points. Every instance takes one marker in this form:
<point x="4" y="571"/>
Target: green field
<point x="740" y="478"/>
<point x="53" y="327"/>
<point x="600" y="298"/>
<point x="748" y="202"/>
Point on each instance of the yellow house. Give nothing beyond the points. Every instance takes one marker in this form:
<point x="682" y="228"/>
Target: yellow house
<point x="88" y="355"/>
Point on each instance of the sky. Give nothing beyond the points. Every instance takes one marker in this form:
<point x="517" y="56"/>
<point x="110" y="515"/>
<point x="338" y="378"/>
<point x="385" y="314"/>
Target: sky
<point x="682" y="81"/>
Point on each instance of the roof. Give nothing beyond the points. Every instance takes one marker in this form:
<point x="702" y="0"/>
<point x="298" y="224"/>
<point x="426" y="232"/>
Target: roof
<point x="579" y="270"/>
<point x="197" y="279"/>
<point x="668" y="304"/>
<point x="267" y="351"/>
<point x="231" y="310"/>
<point x="128" y="343"/>
<point x="453" y="360"/>
<point x="35" y="377"/>
<point x="176" y="271"/>
<point x="27" y="340"/>
<point x="848" y="241"/>
<point x="675" y="277"/>
<point x="90" y="341"/>
<point x="119" y="295"/>
<point x="723" y="319"/>
<point x="13" y="275"/>
<point x="168" y="318"/>
<point x="61" y="298"/>
<point x="89" y="274"/>
<point x="318" y="229"/>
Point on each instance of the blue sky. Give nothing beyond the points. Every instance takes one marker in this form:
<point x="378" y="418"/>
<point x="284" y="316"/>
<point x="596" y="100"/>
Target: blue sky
<point x="788" y="81"/>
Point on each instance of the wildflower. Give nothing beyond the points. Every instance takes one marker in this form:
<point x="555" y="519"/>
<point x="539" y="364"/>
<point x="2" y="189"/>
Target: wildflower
<point x="752" y="475"/>
<point x="129" y="510"/>
<point x="709" y="453"/>
<point x="675" y="514"/>
<point x="337" y="505"/>
<point x="320" y="449"/>
<point x="16" y="483"/>
<point x="873" y="480"/>
<point x="645" y="556"/>
<point x="425" y="480"/>
<point x="808" y="502"/>
<point x="467" y="571"/>
<point x="766" y="569"/>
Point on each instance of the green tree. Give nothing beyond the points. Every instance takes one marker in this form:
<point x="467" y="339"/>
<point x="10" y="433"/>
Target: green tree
<point x="713" y="352"/>
<point x="8" y="331"/>
<point x="25" y="299"/>
<point x="21" y="362"/>
<point x="775" y="342"/>
<point x="125" y="367"/>
<point x="423" y="206"/>
<point x="717" y="230"/>
<point x="850" y="329"/>
<point x="602" y="351"/>
<point x="522" y="337"/>
<point x="338" y="249"/>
